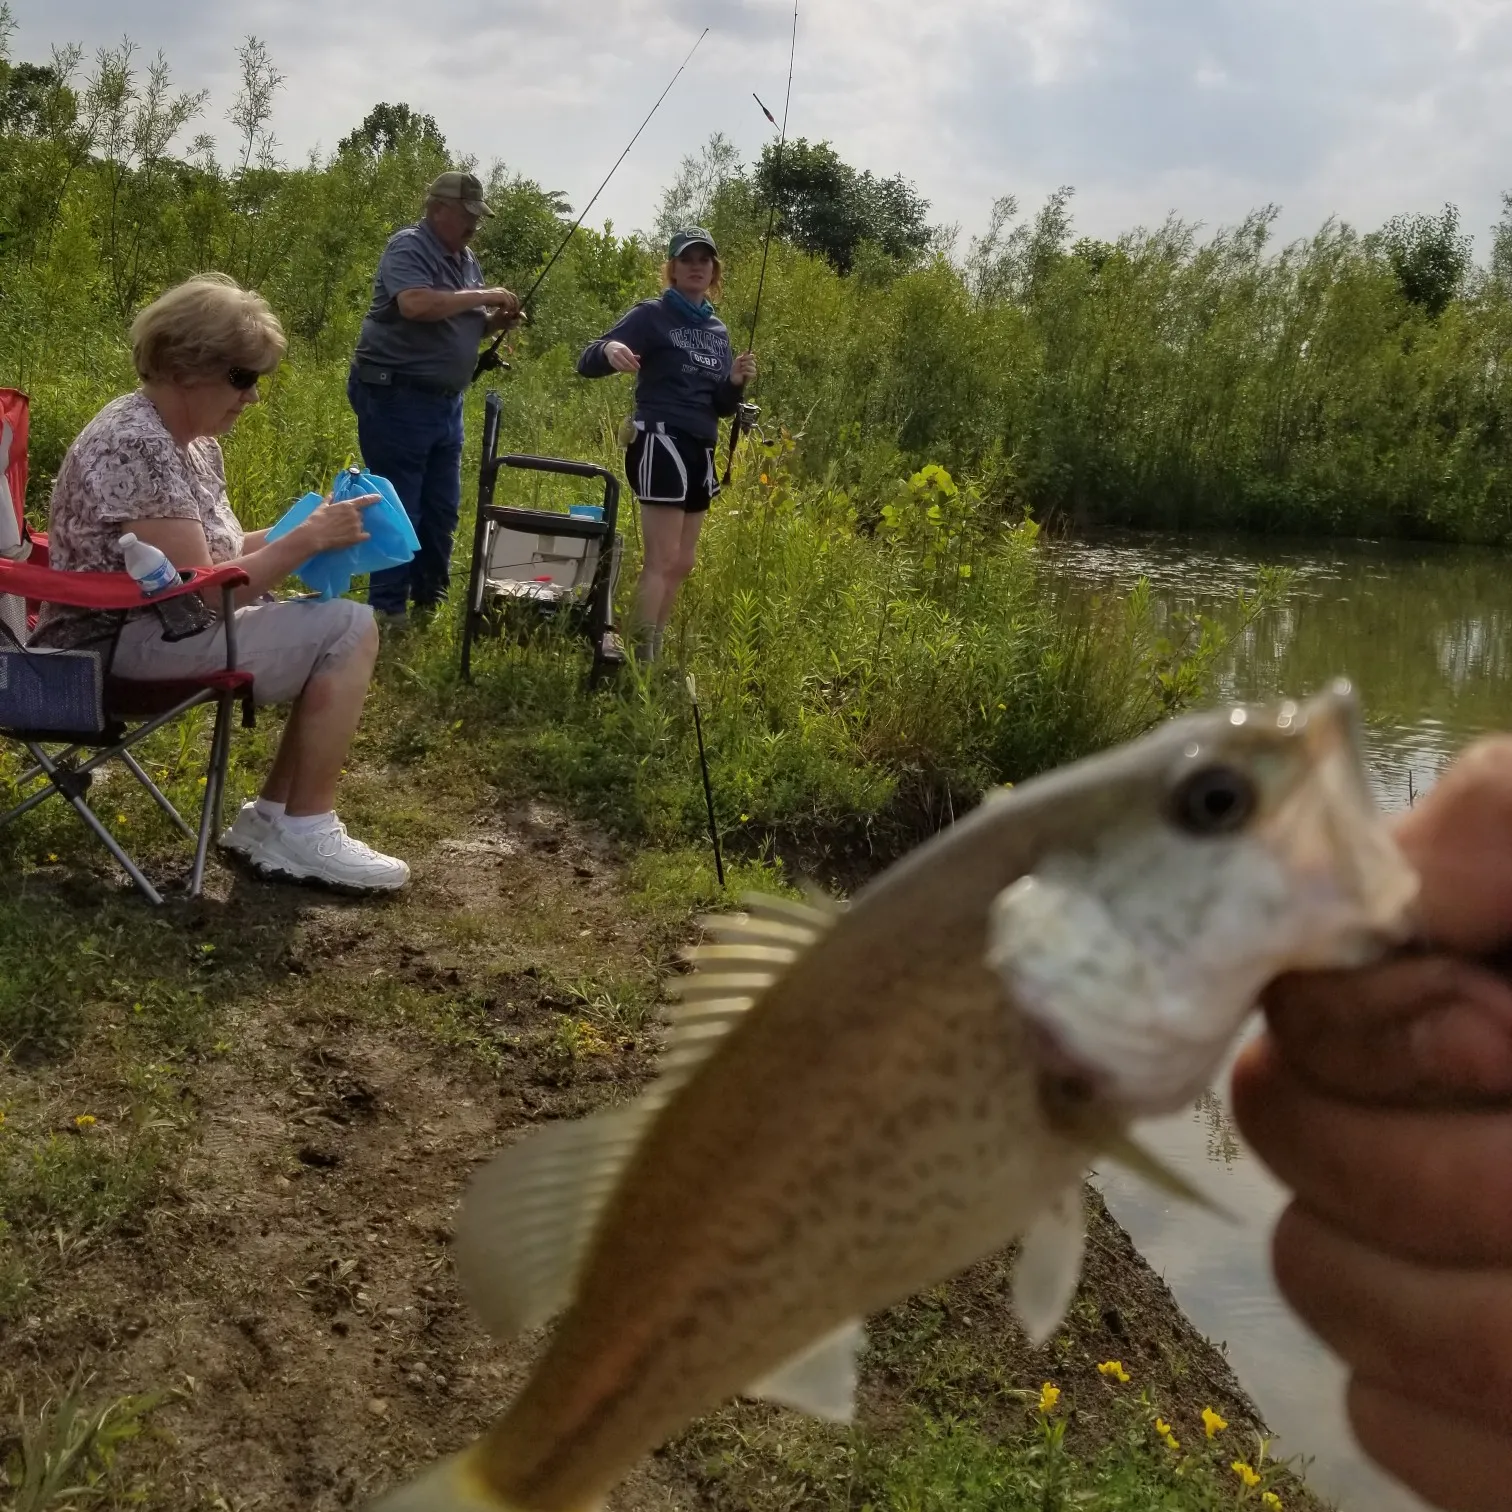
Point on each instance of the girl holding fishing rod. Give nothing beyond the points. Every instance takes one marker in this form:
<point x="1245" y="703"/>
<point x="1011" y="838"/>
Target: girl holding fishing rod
<point x="687" y="378"/>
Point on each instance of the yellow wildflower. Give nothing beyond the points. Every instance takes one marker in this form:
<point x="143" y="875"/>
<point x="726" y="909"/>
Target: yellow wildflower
<point x="1172" y="1442"/>
<point x="120" y="819"/>
<point x="1245" y="1473"/>
<point x="84" y="1121"/>
<point x="52" y="855"/>
<point x="1212" y="1422"/>
<point x="2" y="1120"/>
<point x="1114" y="1368"/>
<point x="1049" y="1396"/>
<point x="1271" y="1500"/>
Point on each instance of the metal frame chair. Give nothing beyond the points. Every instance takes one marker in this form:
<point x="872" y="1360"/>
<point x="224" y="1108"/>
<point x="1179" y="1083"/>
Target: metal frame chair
<point x="69" y="698"/>
<point x="592" y="616"/>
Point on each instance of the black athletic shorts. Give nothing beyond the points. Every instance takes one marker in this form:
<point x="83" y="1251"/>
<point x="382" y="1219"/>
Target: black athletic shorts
<point x="672" y="468"/>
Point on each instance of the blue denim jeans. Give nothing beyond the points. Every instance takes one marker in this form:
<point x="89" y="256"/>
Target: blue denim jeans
<point x="414" y="440"/>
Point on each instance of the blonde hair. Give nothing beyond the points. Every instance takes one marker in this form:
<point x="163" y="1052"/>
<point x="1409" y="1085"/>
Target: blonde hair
<point x="716" y="287"/>
<point x="203" y="328"/>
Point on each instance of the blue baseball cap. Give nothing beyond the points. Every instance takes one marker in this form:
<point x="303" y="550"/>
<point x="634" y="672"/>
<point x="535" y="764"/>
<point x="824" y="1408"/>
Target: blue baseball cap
<point x="691" y="236"/>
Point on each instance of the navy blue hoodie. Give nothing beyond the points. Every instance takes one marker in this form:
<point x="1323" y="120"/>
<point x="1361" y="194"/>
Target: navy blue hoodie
<point x="684" y="379"/>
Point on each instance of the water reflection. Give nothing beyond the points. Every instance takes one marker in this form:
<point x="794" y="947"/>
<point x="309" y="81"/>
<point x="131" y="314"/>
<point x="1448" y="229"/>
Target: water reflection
<point x="1426" y="636"/>
<point x="1425" y="633"/>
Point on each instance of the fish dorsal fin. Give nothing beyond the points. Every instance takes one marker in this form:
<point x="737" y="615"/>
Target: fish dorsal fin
<point x="752" y="951"/>
<point x="1049" y="1266"/>
<point x="530" y="1213"/>
<point x="822" y="1380"/>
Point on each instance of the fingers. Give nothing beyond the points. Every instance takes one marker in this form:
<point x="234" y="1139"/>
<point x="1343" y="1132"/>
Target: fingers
<point x="1432" y="1185"/>
<point x="1443" y="1335"/>
<point x="1425" y="1030"/>
<point x="1449" y="1461"/>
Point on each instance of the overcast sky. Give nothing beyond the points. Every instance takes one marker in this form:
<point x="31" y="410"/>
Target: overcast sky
<point x="1358" y="108"/>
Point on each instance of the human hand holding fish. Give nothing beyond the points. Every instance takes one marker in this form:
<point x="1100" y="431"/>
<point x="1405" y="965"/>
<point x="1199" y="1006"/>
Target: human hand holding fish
<point x="1383" y="1098"/>
<point x="857" y="1103"/>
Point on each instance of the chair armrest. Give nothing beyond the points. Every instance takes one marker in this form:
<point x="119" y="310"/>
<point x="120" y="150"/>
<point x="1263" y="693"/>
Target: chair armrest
<point x="105" y="590"/>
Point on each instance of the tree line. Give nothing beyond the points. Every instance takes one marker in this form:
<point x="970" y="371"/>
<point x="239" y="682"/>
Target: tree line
<point x="1351" y="382"/>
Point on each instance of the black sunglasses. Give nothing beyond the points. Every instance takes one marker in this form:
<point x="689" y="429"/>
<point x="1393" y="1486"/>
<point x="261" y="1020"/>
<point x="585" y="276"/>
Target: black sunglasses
<point x="242" y="379"/>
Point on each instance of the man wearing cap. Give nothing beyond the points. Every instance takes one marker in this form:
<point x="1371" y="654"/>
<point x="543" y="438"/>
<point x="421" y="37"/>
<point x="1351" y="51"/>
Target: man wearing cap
<point x="414" y="361"/>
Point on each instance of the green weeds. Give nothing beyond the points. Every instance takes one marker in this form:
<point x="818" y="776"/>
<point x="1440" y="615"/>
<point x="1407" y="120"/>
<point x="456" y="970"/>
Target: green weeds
<point x="65" y="1456"/>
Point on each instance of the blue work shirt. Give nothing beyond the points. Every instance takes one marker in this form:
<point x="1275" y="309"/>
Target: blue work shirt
<point x="439" y="351"/>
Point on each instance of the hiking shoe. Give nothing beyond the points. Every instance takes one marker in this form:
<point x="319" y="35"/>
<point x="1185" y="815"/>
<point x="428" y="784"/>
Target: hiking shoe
<point x="247" y="834"/>
<point x="331" y="856"/>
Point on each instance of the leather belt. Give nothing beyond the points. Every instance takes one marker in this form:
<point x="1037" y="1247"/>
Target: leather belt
<point x="382" y="377"/>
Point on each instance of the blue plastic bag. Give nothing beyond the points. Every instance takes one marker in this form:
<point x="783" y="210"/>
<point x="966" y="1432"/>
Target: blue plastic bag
<point x="391" y="538"/>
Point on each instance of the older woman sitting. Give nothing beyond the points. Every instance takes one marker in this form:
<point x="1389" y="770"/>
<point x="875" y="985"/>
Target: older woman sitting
<point x="149" y="463"/>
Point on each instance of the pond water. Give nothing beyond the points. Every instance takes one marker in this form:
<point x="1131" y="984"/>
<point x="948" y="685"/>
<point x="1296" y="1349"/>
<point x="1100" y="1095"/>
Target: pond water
<point x="1425" y="634"/>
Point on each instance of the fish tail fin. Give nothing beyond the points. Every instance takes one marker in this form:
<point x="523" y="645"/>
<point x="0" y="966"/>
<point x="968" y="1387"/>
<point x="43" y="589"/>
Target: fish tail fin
<point x="454" y="1484"/>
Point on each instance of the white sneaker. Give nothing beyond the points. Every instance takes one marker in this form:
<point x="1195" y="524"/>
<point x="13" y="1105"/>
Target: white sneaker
<point x="333" y="857"/>
<point x="248" y="833"/>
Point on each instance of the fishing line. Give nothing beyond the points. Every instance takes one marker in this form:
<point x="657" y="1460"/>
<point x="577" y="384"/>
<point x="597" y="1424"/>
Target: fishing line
<point x="490" y="359"/>
<point x="741" y="421"/>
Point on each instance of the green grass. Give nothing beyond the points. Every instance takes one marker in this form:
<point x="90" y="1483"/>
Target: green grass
<point x="64" y="1457"/>
<point x="947" y="1465"/>
<point x="934" y="1458"/>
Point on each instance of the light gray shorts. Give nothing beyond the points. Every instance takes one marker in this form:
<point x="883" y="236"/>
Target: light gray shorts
<point x="283" y="644"/>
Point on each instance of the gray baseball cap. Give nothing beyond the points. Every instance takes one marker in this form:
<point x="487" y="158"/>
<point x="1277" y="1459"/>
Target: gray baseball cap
<point x="690" y="236"/>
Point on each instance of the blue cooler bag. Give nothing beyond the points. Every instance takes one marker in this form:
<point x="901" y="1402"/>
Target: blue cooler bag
<point x="391" y="538"/>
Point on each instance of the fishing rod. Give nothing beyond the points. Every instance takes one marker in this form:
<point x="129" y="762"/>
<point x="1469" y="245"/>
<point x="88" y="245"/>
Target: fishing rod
<point x="691" y="683"/>
<point x="745" y="414"/>
<point x="490" y="360"/>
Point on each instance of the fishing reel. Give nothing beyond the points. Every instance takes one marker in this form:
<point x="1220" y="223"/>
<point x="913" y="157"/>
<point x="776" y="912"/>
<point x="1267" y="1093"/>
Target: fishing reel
<point x="746" y="415"/>
<point x="489" y="362"/>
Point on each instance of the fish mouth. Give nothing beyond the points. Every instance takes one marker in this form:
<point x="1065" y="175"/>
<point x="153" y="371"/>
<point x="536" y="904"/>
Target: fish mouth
<point x="1330" y="835"/>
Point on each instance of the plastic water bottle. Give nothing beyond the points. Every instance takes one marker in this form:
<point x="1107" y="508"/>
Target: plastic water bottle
<point x="153" y="573"/>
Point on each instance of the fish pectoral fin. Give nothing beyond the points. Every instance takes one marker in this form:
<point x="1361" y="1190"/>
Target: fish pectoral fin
<point x="1129" y="1153"/>
<point x="822" y="1380"/>
<point x="531" y="1212"/>
<point x="1049" y="1266"/>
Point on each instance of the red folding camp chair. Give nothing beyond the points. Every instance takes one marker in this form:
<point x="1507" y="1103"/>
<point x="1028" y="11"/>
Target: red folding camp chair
<point x="69" y="699"/>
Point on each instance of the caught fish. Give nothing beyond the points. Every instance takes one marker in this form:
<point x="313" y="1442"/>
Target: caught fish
<point x="857" y="1103"/>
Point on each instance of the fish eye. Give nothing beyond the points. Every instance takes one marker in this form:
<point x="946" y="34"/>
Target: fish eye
<point x="1218" y="800"/>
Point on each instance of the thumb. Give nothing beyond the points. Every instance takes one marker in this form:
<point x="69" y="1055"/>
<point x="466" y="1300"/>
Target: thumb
<point x="1425" y="1028"/>
<point x="1459" y="837"/>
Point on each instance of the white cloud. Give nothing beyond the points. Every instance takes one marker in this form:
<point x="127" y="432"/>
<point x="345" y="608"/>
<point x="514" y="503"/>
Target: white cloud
<point x="1358" y="108"/>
